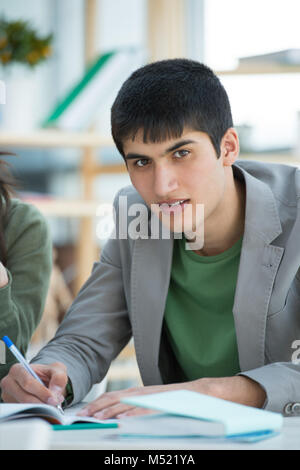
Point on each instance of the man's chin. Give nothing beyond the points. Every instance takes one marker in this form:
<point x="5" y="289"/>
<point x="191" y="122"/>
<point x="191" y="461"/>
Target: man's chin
<point x="179" y="228"/>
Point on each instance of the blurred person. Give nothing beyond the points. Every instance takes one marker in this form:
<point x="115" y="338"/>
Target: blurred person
<point x="25" y="267"/>
<point x="58" y="300"/>
<point x="221" y="318"/>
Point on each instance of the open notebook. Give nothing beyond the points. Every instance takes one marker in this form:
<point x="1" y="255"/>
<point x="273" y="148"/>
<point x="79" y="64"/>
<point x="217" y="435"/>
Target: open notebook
<point x="12" y="411"/>
<point x="186" y="413"/>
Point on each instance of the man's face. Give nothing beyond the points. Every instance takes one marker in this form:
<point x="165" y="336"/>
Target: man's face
<point x="177" y="175"/>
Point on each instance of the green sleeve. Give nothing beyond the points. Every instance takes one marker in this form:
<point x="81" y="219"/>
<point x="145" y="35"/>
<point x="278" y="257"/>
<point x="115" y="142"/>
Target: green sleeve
<point x="22" y="300"/>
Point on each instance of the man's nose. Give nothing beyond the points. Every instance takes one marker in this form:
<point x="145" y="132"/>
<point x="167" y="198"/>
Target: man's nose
<point x="165" y="181"/>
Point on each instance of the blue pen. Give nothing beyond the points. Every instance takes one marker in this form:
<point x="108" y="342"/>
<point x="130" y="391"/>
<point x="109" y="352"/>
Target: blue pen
<point x="14" y="350"/>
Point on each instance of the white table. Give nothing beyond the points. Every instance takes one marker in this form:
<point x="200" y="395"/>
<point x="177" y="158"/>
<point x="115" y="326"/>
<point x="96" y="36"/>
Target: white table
<point x="108" y="440"/>
<point x="38" y="434"/>
<point x="25" y="434"/>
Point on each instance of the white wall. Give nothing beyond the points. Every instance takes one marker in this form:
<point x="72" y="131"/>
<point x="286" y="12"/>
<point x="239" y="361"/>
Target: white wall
<point x="268" y="103"/>
<point x="68" y="22"/>
<point x="195" y="29"/>
<point x="122" y="23"/>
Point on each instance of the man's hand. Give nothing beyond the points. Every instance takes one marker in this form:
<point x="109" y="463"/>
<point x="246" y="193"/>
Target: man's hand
<point x="20" y="387"/>
<point x="239" y="389"/>
<point x="108" y="404"/>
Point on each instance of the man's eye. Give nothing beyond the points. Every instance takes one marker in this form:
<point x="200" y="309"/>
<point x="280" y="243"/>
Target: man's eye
<point x="181" y="153"/>
<point x="140" y="163"/>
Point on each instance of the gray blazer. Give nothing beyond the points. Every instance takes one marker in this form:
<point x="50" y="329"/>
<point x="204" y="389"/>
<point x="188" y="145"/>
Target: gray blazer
<point x="126" y="293"/>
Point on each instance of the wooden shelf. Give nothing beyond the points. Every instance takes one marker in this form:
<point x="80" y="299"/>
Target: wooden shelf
<point x="65" y="208"/>
<point x="260" y="69"/>
<point x="54" y="138"/>
<point x="109" y="169"/>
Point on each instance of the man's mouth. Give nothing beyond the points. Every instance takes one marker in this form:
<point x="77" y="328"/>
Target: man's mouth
<point x="172" y="206"/>
<point x="173" y="202"/>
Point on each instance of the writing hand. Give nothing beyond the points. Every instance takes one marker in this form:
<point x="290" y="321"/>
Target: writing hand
<point x="18" y="386"/>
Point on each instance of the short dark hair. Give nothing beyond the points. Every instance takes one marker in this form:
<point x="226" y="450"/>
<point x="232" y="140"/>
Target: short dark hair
<point x="163" y="97"/>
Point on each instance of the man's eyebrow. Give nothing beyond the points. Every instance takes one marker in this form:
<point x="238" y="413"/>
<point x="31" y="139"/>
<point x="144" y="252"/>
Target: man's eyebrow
<point x="176" y="146"/>
<point x="179" y="144"/>
<point x="131" y="156"/>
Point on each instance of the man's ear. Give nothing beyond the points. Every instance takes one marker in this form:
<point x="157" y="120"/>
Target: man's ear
<point x="230" y="147"/>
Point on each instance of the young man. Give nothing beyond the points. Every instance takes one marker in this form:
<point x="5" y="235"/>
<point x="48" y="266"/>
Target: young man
<point x="221" y="317"/>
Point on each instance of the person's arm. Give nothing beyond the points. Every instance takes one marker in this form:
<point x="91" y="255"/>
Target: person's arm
<point x="93" y="332"/>
<point x="238" y="389"/>
<point x="28" y="269"/>
<point x="95" y="328"/>
<point x="91" y="335"/>
<point x="281" y="382"/>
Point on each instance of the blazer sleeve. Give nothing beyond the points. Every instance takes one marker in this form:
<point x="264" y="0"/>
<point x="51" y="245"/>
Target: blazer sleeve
<point x="281" y="382"/>
<point x="96" y="327"/>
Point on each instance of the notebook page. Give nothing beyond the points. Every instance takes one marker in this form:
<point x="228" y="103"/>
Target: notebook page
<point x="11" y="410"/>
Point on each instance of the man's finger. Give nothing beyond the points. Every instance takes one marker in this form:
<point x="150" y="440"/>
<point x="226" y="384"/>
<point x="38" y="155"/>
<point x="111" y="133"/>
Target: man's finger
<point x="16" y="394"/>
<point x="8" y="398"/>
<point x="23" y="384"/>
<point x="58" y="380"/>
<point x="104" y="401"/>
<point x="28" y="384"/>
<point x="112" y="411"/>
<point x="107" y="400"/>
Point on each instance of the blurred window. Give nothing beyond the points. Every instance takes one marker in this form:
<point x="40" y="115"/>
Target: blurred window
<point x="266" y="106"/>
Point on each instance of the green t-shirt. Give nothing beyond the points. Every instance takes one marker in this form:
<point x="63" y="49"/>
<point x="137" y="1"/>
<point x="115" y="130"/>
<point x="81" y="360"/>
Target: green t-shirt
<point x="198" y="314"/>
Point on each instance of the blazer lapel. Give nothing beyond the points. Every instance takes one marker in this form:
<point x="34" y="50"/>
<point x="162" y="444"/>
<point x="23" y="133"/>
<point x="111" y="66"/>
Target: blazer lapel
<point x="258" y="267"/>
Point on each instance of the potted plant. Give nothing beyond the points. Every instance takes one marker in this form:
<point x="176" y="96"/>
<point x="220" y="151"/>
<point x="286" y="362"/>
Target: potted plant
<point x="22" y="48"/>
<point x="20" y="43"/>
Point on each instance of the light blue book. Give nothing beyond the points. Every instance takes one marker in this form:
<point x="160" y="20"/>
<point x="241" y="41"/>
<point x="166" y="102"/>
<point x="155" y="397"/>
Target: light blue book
<point x="186" y="413"/>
